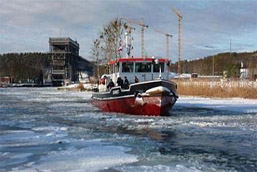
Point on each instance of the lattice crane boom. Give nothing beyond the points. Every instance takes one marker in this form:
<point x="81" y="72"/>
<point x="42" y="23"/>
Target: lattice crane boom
<point x="176" y="12"/>
<point x="179" y="36"/>
<point x="167" y="41"/>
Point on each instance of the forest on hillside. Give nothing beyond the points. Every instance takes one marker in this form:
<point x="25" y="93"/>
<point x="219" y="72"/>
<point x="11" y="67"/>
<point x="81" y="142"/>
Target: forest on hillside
<point x="24" y="66"/>
<point x="231" y="63"/>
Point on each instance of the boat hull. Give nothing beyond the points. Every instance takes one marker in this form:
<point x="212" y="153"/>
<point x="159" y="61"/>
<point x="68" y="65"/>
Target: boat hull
<point x="138" y="100"/>
<point x="152" y="105"/>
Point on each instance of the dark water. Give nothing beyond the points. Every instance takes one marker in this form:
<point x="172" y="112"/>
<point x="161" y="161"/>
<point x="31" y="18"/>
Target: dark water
<point x="42" y="129"/>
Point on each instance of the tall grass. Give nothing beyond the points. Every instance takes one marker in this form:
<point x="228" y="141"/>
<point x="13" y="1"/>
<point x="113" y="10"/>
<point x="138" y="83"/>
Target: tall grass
<point x="223" y="89"/>
<point x="81" y="87"/>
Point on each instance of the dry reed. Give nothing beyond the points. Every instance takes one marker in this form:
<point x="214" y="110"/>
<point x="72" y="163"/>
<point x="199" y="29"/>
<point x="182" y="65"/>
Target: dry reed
<point x="217" y="89"/>
<point x="81" y="87"/>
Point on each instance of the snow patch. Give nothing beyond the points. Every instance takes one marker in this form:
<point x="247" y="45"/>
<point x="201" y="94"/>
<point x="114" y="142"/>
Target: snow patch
<point x="229" y="104"/>
<point x="159" y="89"/>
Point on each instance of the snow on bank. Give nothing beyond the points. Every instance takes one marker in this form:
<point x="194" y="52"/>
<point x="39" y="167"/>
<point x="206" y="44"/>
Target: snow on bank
<point x="88" y="87"/>
<point x="230" y="104"/>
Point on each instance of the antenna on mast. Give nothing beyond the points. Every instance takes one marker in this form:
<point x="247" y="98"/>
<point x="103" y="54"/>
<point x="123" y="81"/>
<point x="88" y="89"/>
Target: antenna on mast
<point x="143" y="26"/>
<point x="128" y="40"/>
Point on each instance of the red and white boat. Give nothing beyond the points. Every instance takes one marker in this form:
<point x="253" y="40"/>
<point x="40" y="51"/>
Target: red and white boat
<point x="153" y="95"/>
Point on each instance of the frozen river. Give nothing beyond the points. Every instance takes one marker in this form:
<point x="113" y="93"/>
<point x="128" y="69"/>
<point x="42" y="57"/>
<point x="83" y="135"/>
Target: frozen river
<point x="43" y="130"/>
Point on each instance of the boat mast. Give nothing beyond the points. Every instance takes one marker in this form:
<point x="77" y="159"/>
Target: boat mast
<point x="128" y="40"/>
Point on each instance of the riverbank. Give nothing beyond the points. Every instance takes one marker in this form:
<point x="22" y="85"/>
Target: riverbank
<point x="220" y="89"/>
<point x="78" y="87"/>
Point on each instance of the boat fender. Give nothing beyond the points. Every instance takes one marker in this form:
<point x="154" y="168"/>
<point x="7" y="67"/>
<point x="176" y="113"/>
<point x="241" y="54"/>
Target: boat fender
<point x="139" y="95"/>
<point x="135" y="93"/>
<point x="139" y="100"/>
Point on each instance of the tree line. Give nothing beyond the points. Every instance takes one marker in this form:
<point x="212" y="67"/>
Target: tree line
<point x="24" y="66"/>
<point x="229" y="62"/>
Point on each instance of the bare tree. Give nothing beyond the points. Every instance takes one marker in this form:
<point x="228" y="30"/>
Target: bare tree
<point x="111" y="38"/>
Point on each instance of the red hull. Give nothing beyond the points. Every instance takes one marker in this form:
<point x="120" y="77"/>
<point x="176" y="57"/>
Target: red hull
<point x="149" y="105"/>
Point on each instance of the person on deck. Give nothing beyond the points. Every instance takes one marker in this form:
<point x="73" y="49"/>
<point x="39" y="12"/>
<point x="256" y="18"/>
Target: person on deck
<point x="126" y="83"/>
<point x="120" y="82"/>
<point x="136" y="79"/>
<point x="110" y="85"/>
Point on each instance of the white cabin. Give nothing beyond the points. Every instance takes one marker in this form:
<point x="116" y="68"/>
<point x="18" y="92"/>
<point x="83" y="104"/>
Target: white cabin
<point x="145" y="69"/>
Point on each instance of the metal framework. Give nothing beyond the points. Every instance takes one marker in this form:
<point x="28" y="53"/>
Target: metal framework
<point x="179" y="37"/>
<point x="64" y="54"/>
<point x="167" y="42"/>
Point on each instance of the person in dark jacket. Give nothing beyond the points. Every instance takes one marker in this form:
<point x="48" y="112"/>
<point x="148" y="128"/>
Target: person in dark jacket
<point x="120" y="82"/>
<point x="136" y="79"/>
<point x="126" y="83"/>
<point x="110" y="85"/>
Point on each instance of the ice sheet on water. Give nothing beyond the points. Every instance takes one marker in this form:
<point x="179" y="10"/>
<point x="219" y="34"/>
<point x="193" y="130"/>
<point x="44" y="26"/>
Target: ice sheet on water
<point x="62" y="127"/>
<point x="16" y="159"/>
<point x="94" y="156"/>
<point x="50" y="128"/>
<point x="158" y="168"/>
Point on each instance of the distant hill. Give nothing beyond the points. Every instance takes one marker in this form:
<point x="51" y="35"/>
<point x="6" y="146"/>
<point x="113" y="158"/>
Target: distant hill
<point x="222" y="62"/>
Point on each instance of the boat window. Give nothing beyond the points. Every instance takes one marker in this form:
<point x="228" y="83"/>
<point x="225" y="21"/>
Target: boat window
<point x="111" y="69"/>
<point x="143" y="67"/>
<point x="156" y="67"/>
<point x="116" y="67"/>
<point x="127" y="67"/>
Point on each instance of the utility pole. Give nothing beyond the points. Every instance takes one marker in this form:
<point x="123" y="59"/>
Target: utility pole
<point x="213" y="62"/>
<point x="167" y="42"/>
<point x="230" y="48"/>
<point x="179" y="37"/>
<point x="96" y="53"/>
<point x="213" y="65"/>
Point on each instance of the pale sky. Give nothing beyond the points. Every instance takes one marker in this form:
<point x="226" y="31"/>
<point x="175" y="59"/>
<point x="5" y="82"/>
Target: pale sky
<point x="26" y="25"/>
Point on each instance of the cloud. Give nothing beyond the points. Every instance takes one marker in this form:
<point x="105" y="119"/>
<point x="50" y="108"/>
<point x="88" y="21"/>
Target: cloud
<point x="27" y="25"/>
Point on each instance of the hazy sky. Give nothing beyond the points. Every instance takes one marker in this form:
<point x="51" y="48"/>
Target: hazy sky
<point x="26" y="25"/>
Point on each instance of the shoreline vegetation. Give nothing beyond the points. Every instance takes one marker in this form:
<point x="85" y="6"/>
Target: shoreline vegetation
<point x="217" y="88"/>
<point x="199" y="88"/>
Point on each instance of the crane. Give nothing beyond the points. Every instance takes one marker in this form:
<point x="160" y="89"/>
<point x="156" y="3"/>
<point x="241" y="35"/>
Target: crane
<point x="143" y="26"/>
<point x="167" y="41"/>
<point x="179" y="36"/>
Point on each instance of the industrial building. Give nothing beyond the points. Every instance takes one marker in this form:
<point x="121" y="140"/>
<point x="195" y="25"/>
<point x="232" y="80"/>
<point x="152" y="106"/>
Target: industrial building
<point x="66" y="64"/>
